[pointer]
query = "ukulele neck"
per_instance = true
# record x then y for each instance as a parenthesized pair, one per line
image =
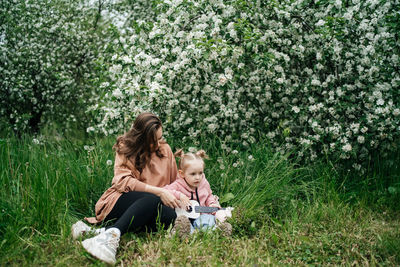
(202, 209)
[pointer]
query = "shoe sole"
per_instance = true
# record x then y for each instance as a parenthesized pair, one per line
(182, 226)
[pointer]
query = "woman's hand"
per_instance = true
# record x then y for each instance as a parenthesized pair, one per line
(184, 201)
(168, 199)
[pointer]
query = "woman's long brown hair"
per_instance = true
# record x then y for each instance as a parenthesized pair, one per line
(137, 142)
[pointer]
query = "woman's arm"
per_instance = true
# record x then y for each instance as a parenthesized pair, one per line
(175, 189)
(167, 198)
(125, 175)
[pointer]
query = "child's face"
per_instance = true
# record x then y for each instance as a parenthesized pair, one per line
(193, 172)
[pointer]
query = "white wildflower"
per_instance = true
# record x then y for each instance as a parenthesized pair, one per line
(295, 109)
(222, 79)
(117, 93)
(158, 77)
(88, 148)
(347, 148)
(315, 82)
(126, 59)
(356, 166)
(90, 129)
(320, 22)
(348, 15)
(232, 33)
(104, 84)
(271, 135)
(355, 127)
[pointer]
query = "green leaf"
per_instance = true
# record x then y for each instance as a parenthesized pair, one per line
(227, 197)
(286, 132)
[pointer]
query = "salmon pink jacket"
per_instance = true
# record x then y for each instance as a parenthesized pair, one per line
(158, 172)
(204, 193)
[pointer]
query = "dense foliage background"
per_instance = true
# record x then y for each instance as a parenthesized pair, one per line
(51, 53)
(319, 78)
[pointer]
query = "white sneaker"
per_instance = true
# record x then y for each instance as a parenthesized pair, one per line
(79, 229)
(104, 246)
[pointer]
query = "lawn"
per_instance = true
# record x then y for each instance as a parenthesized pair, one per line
(286, 213)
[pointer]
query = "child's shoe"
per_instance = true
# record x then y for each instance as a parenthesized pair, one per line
(225, 228)
(104, 246)
(181, 227)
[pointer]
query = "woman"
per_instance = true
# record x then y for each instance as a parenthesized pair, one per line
(144, 163)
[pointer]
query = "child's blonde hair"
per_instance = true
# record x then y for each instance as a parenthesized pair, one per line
(185, 157)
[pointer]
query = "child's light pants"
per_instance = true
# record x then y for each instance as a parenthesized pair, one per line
(204, 222)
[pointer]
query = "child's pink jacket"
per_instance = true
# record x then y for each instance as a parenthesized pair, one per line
(206, 198)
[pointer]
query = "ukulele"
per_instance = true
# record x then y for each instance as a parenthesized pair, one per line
(193, 211)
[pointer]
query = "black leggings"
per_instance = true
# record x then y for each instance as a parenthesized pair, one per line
(139, 211)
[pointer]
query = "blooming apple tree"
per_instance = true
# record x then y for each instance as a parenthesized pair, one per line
(49, 54)
(315, 77)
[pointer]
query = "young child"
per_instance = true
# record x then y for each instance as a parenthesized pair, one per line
(192, 184)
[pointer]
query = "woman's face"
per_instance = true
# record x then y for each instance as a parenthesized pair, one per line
(159, 137)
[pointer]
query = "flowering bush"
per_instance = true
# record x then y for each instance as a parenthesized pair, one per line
(48, 53)
(317, 77)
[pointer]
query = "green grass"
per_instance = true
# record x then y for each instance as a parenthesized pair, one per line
(285, 213)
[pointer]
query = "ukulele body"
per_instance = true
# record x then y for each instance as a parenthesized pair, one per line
(194, 210)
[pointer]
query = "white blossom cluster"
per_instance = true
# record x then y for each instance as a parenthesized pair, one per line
(316, 77)
(48, 53)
